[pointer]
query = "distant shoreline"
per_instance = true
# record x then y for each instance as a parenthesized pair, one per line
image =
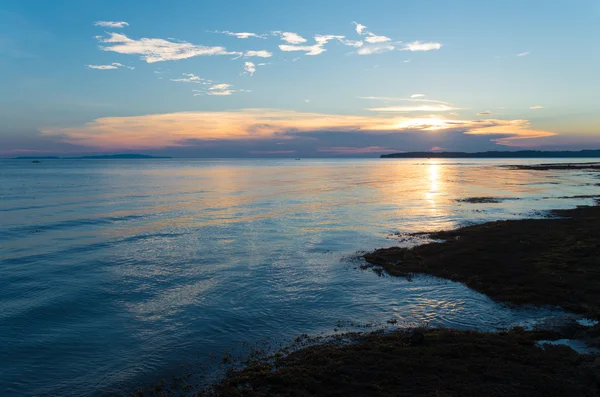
(496, 154)
(101, 157)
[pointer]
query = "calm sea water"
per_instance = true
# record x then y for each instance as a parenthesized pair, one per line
(114, 273)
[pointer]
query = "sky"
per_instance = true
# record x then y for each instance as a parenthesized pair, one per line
(297, 79)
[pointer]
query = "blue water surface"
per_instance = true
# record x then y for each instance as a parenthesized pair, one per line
(115, 272)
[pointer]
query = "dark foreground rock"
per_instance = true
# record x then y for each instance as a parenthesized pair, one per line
(443, 363)
(557, 166)
(531, 261)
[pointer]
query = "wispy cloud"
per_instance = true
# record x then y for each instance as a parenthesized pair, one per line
(485, 113)
(112, 66)
(242, 35)
(355, 150)
(320, 42)
(315, 49)
(373, 38)
(523, 54)
(375, 49)
(260, 54)
(290, 37)
(359, 27)
(192, 78)
(378, 45)
(415, 108)
(351, 43)
(110, 24)
(250, 68)
(219, 89)
(158, 50)
(417, 95)
(411, 99)
(421, 46)
(536, 107)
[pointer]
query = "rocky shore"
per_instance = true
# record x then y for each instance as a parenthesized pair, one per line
(547, 262)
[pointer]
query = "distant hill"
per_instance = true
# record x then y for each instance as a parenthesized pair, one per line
(494, 155)
(121, 156)
(100, 157)
(36, 158)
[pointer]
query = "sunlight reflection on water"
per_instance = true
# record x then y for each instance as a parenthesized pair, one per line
(118, 271)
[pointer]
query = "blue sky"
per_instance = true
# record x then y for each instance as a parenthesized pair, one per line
(313, 78)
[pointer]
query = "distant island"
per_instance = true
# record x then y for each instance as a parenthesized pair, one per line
(100, 157)
(494, 155)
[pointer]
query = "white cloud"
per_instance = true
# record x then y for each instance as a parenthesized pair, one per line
(523, 54)
(307, 100)
(388, 99)
(373, 38)
(109, 24)
(406, 61)
(192, 78)
(220, 89)
(314, 49)
(250, 68)
(221, 93)
(112, 66)
(309, 49)
(323, 39)
(222, 86)
(351, 43)
(290, 37)
(375, 49)
(484, 113)
(381, 44)
(421, 46)
(415, 108)
(536, 107)
(158, 50)
(318, 47)
(359, 27)
(260, 54)
(101, 67)
(417, 95)
(242, 35)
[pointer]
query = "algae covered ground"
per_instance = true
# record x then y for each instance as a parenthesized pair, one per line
(441, 363)
(553, 261)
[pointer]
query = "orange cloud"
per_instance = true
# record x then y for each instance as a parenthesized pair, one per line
(177, 129)
(355, 150)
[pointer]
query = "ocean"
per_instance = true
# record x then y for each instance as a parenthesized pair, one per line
(115, 273)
